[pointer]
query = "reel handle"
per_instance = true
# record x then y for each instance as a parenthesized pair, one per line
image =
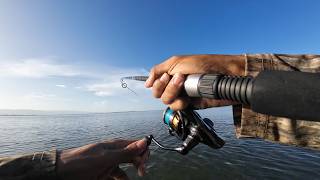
(189, 143)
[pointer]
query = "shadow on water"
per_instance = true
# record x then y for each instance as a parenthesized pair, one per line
(238, 159)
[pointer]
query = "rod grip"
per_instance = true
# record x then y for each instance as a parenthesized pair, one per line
(217, 86)
(289, 94)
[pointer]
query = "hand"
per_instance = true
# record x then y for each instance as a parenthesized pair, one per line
(167, 78)
(101, 160)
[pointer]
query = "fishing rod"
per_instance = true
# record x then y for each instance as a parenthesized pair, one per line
(290, 94)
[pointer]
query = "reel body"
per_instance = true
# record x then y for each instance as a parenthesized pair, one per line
(189, 127)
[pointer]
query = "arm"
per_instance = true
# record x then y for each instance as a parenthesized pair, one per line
(93, 161)
(33, 166)
(283, 130)
(248, 123)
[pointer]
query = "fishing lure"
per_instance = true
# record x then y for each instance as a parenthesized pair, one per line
(136, 78)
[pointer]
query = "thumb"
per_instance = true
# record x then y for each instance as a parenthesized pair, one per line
(132, 150)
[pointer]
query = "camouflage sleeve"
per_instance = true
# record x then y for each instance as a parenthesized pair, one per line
(282, 130)
(40, 165)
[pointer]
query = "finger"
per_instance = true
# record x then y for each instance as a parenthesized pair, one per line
(127, 154)
(142, 166)
(173, 88)
(142, 170)
(155, 73)
(118, 174)
(141, 159)
(159, 85)
(180, 103)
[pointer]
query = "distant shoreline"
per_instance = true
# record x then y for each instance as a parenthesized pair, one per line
(44, 113)
(21, 112)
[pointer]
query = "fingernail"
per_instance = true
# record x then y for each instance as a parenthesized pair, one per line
(147, 83)
(178, 79)
(164, 77)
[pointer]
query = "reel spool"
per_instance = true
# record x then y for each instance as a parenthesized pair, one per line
(175, 123)
(189, 127)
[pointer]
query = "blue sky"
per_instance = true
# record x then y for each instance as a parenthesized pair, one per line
(69, 55)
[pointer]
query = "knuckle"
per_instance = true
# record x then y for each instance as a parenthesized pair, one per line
(173, 90)
(155, 69)
(174, 57)
(177, 57)
(135, 146)
(156, 94)
(179, 104)
(152, 70)
(165, 100)
(157, 89)
(169, 95)
(174, 107)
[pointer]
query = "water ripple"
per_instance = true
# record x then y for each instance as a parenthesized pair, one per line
(239, 159)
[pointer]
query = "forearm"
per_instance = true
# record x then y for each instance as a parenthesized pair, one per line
(283, 130)
(223, 64)
(284, 62)
(39, 165)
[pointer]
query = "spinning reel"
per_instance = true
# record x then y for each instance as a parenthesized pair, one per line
(186, 125)
(189, 127)
(267, 93)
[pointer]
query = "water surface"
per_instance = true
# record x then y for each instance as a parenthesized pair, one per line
(238, 159)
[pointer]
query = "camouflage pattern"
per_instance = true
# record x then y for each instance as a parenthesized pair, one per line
(40, 165)
(282, 130)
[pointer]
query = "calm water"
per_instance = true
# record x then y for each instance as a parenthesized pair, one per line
(238, 159)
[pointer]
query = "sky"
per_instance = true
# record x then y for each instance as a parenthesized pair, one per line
(70, 55)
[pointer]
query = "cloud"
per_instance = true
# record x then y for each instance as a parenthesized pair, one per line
(61, 85)
(104, 89)
(48, 67)
(104, 79)
(110, 84)
(113, 87)
(42, 96)
(36, 68)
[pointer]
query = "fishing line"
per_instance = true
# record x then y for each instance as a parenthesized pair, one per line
(136, 78)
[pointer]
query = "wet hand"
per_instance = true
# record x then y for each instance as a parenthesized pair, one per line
(101, 160)
(167, 79)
